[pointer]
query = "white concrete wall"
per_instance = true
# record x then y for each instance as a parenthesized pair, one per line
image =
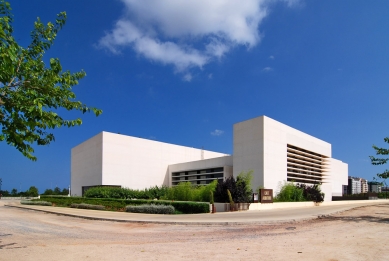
(338, 176)
(86, 164)
(248, 149)
(114, 159)
(260, 144)
(276, 138)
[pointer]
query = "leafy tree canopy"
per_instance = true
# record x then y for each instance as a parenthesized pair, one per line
(381, 161)
(31, 92)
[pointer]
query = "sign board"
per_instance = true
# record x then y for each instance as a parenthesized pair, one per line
(255, 197)
(266, 196)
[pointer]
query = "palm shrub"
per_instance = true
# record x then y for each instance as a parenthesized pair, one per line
(230, 199)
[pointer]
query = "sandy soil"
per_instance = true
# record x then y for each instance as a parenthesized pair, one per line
(359, 234)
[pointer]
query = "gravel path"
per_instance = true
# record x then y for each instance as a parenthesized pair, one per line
(359, 234)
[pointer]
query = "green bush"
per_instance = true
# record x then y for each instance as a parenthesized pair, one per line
(151, 209)
(53, 196)
(312, 192)
(39, 203)
(126, 193)
(185, 191)
(120, 204)
(289, 193)
(87, 206)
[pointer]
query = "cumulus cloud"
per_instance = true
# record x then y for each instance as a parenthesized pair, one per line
(217, 132)
(187, 34)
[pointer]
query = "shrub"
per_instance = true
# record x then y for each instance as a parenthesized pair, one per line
(151, 209)
(238, 191)
(289, 193)
(39, 203)
(243, 182)
(185, 191)
(87, 206)
(312, 193)
(126, 193)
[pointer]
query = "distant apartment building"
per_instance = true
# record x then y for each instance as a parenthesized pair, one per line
(354, 185)
(364, 186)
(375, 187)
(357, 185)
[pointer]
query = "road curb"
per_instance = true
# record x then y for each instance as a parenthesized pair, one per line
(205, 223)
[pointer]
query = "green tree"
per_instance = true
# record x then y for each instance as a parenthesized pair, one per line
(32, 192)
(48, 192)
(65, 191)
(381, 161)
(57, 191)
(31, 93)
(14, 192)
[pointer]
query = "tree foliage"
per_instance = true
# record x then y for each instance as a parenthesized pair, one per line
(381, 161)
(32, 191)
(30, 92)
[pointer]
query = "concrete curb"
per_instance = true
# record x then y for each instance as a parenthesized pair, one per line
(199, 223)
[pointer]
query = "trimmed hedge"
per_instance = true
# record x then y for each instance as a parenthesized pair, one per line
(54, 196)
(120, 204)
(87, 206)
(126, 193)
(38, 203)
(151, 209)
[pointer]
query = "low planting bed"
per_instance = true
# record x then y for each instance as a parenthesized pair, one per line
(36, 203)
(151, 209)
(184, 207)
(87, 206)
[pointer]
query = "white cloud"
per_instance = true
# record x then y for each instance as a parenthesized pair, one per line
(267, 69)
(271, 57)
(187, 34)
(217, 132)
(187, 77)
(210, 76)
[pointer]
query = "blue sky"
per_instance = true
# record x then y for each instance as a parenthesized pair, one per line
(185, 73)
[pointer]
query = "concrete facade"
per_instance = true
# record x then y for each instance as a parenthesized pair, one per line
(261, 144)
(274, 151)
(114, 159)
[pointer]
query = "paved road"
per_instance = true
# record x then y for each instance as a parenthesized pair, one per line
(263, 216)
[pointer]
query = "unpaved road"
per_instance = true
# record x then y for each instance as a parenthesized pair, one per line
(358, 234)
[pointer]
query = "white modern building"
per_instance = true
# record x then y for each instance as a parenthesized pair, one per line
(274, 151)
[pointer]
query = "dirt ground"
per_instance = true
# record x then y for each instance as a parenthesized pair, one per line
(358, 234)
